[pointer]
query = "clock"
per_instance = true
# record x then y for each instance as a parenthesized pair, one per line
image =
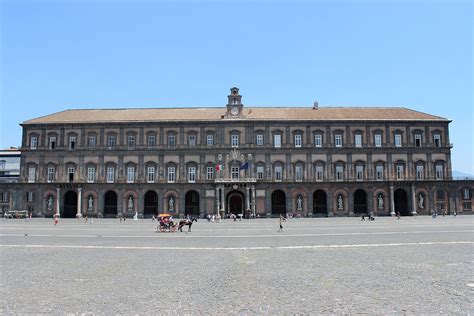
(234, 110)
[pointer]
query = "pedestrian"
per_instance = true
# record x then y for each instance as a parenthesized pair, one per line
(454, 213)
(85, 219)
(362, 218)
(56, 219)
(398, 215)
(153, 218)
(282, 219)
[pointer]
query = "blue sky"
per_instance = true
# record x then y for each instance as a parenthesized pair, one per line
(57, 55)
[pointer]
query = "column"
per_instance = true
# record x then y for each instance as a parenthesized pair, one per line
(79, 203)
(253, 201)
(392, 202)
(413, 200)
(217, 197)
(222, 200)
(247, 198)
(58, 194)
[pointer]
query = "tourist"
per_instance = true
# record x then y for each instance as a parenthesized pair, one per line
(282, 219)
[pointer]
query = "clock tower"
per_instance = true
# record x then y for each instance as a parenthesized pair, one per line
(234, 104)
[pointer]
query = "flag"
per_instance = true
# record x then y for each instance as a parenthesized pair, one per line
(219, 167)
(244, 166)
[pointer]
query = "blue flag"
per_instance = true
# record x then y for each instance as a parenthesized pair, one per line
(244, 166)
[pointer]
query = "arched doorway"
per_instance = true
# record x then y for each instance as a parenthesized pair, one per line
(360, 202)
(278, 203)
(401, 202)
(110, 204)
(70, 205)
(191, 204)
(235, 202)
(151, 204)
(320, 204)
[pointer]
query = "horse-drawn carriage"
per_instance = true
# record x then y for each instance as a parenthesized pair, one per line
(166, 223)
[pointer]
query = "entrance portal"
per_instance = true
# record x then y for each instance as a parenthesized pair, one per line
(70, 205)
(235, 202)
(320, 206)
(360, 202)
(151, 204)
(110, 204)
(401, 202)
(191, 204)
(279, 203)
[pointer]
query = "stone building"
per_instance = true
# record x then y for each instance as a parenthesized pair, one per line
(308, 161)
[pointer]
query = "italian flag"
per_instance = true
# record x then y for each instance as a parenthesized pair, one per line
(219, 167)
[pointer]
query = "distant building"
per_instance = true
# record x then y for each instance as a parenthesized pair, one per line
(308, 161)
(9, 173)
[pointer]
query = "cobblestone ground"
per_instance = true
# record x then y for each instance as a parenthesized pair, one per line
(315, 266)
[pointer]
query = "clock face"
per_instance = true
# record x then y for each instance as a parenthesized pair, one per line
(234, 110)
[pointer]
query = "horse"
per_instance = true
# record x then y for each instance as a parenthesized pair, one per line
(188, 222)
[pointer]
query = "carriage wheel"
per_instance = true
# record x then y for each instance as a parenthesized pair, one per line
(173, 228)
(162, 228)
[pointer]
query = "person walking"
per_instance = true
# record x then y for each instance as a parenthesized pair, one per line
(56, 219)
(282, 219)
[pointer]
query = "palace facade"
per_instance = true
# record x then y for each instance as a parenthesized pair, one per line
(309, 161)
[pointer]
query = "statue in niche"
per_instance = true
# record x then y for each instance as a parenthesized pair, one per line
(299, 203)
(340, 202)
(49, 204)
(130, 203)
(171, 204)
(90, 203)
(421, 201)
(380, 201)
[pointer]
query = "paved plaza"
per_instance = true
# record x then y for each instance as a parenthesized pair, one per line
(315, 266)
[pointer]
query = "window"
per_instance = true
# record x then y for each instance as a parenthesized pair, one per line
(33, 142)
(398, 140)
(171, 141)
(3, 196)
(192, 140)
(90, 174)
(417, 140)
(260, 172)
(278, 173)
(30, 197)
(400, 172)
(359, 173)
(318, 140)
(91, 141)
(339, 173)
(235, 173)
(70, 174)
(111, 142)
(171, 174)
(338, 140)
(437, 140)
(151, 141)
(277, 141)
(130, 174)
(358, 140)
(209, 173)
(439, 172)
(52, 142)
(72, 142)
(379, 172)
(110, 174)
(234, 140)
(150, 174)
(419, 172)
(131, 142)
(319, 173)
(259, 140)
(298, 141)
(210, 140)
(50, 177)
(466, 194)
(3, 164)
(299, 172)
(192, 174)
(31, 174)
(378, 140)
